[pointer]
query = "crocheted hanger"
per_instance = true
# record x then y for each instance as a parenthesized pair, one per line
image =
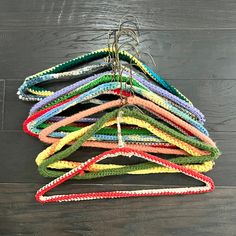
(166, 116)
(30, 84)
(137, 169)
(116, 54)
(99, 54)
(53, 110)
(72, 90)
(126, 93)
(171, 125)
(163, 114)
(189, 145)
(209, 184)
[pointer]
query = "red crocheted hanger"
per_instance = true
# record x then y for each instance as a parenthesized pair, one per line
(209, 184)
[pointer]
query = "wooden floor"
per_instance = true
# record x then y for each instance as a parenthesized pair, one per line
(194, 45)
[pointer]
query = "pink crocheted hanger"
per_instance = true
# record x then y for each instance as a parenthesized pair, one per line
(148, 105)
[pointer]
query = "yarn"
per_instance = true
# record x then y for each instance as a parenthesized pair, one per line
(101, 89)
(131, 113)
(209, 185)
(187, 144)
(101, 53)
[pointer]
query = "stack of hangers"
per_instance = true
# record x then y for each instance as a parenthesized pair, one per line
(132, 113)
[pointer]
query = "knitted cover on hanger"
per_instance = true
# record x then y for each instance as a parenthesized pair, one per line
(104, 88)
(190, 146)
(128, 169)
(171, 119)
(161, 121)
(209, 184)
(165, 115)
(138, 81)
(101, 53)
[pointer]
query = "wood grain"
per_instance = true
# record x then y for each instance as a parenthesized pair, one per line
(208, 214)
(188, 55)
(155, 15)
(194, 45)
(2, 101)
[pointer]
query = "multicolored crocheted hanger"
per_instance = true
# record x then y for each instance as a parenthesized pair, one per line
(99, 54)
(105, 145)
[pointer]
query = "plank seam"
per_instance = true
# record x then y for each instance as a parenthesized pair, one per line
(3, 104)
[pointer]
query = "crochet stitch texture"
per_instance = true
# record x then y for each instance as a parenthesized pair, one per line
(130, 113)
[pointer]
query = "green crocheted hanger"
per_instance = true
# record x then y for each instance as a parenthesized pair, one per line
(127, 112)
(103, 53)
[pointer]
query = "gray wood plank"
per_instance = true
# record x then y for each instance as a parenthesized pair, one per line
(215, 98)
(161, 14)
(207, 214)
(2, 99)
(14, 106)
(19, 150)
(193, 43)
(178, 54)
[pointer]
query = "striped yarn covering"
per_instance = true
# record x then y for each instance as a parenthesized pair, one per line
(130, 114)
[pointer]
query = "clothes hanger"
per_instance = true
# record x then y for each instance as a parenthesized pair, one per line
(45, 159)
(54, 161)
(40, 93)
(139, 81)
(103, 53)
(104, 170)
(160, 125)
(113, 51)
(29, 124)
(71, 127)
(208, 187)
(45, 134)
(108, 169)
(52, 111)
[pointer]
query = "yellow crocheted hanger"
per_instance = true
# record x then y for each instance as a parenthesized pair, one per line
(184, 147)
